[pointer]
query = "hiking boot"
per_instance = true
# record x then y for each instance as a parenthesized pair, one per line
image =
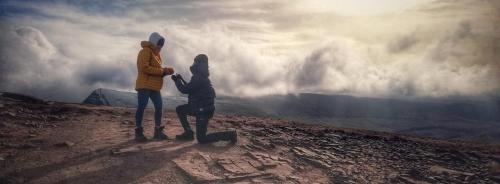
(233, 137)
(186, 136)
(139, 135)
(159, 133)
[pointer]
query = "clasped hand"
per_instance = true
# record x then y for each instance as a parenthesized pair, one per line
(168, 71)
(177, 76)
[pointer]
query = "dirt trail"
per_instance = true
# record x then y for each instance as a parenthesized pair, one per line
(73, 143)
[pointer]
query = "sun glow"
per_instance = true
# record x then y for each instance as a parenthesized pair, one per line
(359, 7)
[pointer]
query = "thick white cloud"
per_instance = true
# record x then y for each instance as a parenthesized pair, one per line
(65, 50)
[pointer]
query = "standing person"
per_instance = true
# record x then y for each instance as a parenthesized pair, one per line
(149, 83)
(201, 97)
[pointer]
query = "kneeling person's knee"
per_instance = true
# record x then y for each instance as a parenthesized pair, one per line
(181, 109)
(201, 128)
(201, 137)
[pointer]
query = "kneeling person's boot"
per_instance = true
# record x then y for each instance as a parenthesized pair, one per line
(233, 137)
(159, 133)
(186, 136)
(139, 135)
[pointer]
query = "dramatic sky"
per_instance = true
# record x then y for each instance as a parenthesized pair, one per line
(62, 50)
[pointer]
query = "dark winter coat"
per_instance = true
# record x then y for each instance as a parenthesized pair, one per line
(201, 94)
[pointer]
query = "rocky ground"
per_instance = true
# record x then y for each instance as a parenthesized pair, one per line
(51, 142)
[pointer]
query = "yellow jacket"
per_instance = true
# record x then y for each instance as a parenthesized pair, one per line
(150, 71)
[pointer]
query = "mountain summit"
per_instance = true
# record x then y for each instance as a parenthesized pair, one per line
(55, 142)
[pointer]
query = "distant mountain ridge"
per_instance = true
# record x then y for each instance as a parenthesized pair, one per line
(453, 118)
(117, 98)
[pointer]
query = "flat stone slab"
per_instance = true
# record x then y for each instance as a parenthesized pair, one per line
(436, 169)
(265, 160)
(303, 152)
(149, 146)
(201, 167)
(242, 165)
(311, 157)
(197, 167)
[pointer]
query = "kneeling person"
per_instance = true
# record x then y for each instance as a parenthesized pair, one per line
(200, 104)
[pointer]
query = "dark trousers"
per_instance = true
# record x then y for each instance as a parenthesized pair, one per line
(202, 119)
(143, 96)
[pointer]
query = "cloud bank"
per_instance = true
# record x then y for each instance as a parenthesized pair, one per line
(64, 50)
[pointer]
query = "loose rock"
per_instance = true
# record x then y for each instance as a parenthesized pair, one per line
(65, 144)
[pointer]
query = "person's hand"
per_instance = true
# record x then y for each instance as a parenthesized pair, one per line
(168, 71)
(179, 76)
(174, 77)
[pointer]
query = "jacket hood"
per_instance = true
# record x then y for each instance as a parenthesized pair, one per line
(145, 44)
(200, 66)
(156, 39)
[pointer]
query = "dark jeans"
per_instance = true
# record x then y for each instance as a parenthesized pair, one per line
(143, 96)
(202, 119)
